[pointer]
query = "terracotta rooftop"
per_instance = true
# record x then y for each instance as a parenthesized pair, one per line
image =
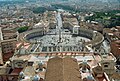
(16, 71)
(115, 48)
(116, 76)
(62, 69)
(7, 56)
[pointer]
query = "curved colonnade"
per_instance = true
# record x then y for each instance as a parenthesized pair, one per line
(95, 37)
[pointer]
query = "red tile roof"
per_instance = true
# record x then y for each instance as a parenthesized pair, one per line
(7, 56)
(115, 48)
(16, 71)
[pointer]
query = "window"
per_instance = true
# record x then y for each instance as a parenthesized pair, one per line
(30, 63)
(105, 65)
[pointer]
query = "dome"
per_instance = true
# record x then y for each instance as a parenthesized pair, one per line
(36, 78)
(40, 63)
(90, 78)
(21, 74)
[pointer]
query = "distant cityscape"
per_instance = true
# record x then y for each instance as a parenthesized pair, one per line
(100, 5)
(59, 40)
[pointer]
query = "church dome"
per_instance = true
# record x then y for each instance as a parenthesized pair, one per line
(36, 78)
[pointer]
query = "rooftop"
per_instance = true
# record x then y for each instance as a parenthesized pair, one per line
(58, 69)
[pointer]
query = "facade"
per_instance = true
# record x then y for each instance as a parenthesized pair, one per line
(8, 43)
(8, 46)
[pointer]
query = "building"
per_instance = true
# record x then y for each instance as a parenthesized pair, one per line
(8, 43)
(115, 48)
(112, 34)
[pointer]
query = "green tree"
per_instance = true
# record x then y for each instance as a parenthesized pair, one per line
(23, 29)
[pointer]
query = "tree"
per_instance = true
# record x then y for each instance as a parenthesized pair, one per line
(23, 29)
